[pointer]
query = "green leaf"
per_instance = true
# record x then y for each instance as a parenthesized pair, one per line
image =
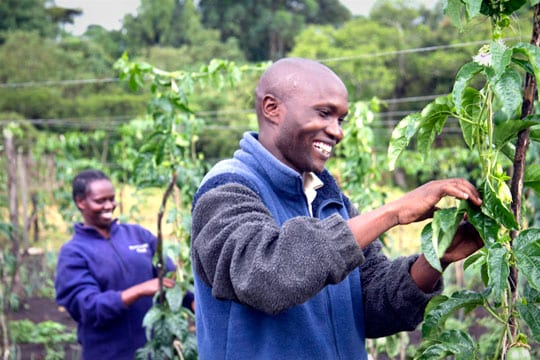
(463, 77)
(498, 269)
(450, 342)
(532, 177)
(508, 91)
(485, 225)
(494, 208)
(474, 260)
(526, 248)
(508, 130)
(392, 345)
(445, 224)
(532, 54)
(174, 298)
(152, 316)
(464, 299)
(530, 313)
(473, 8)
(501, 57)
(535, 134)
(401, 137)
(429, 248)
(434, 116)
(453, 11)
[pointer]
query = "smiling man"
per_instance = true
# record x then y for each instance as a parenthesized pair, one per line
(284, 266)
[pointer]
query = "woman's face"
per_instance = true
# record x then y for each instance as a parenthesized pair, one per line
(98, 204)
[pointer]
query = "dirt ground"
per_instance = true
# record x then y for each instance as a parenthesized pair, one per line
(38, 310)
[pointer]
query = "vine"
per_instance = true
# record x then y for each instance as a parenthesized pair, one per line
(497, 122)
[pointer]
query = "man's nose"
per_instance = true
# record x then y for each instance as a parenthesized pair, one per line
(334, 129)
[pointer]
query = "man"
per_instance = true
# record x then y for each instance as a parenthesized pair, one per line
(284, 266)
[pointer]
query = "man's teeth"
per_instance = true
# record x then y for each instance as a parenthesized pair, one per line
(324, 148)
(107, 215)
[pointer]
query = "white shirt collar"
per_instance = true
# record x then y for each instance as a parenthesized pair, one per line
(311, 184)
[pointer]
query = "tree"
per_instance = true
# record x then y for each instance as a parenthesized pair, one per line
(28, 15)
(272, 25)
(150, 25)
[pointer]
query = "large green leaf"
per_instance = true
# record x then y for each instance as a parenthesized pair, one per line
(464, 299)
(507, 89)
(463, 77)
(526, 248)
(532, 178)
(434, 116)
(450, 342)
(508, 130)
(401, 137)
(498, 269)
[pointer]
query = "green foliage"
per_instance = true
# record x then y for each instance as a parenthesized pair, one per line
(490, 118)
(356, 161)
(27, 15)
(169, 329)
(49, 333)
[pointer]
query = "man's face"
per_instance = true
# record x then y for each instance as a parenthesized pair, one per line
(98, 205)
(311, 125)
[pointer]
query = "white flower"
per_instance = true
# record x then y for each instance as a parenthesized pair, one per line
(484, 56)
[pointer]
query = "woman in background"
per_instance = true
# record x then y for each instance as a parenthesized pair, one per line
(105, 276)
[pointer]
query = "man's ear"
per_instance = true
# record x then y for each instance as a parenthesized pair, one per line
(271, 108)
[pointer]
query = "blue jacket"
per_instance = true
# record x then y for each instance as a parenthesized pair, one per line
(91, 274)
(324, 321)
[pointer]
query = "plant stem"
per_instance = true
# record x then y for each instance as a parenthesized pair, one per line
(522, 144)
(159, 250)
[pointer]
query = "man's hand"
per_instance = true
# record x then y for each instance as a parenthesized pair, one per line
(420, 204)
(465, 242)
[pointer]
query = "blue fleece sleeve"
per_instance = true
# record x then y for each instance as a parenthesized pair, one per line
(79, 292)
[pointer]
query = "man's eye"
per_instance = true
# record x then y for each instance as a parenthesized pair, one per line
(324, 113)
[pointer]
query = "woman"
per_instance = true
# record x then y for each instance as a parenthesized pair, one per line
(105, 276)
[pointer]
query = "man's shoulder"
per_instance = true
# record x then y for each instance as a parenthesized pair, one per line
(229, 171)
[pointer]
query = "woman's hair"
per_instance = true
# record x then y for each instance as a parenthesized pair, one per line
(83, 179)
